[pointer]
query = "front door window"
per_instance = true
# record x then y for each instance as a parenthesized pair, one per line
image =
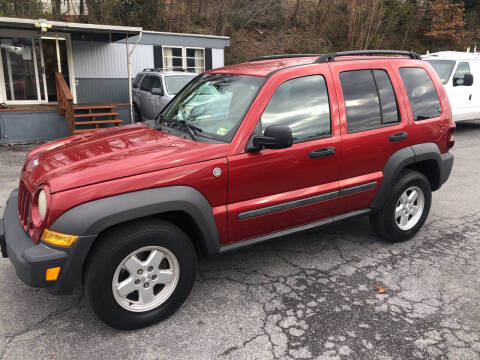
(19, 69)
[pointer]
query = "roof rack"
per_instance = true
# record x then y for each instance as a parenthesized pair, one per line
(331, 57)
(162, 69)
(281, 56)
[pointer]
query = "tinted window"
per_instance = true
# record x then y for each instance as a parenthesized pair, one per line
(156, 83)
(462, 69)
(388, 101)
(361, 100)
(137, 79)
(443, 68)
(302, 104)
(147, 83)
(421, 93)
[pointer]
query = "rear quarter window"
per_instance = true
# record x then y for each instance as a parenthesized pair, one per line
(421, 92)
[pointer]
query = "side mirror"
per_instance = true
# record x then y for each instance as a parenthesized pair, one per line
(156, 91)
(468, 79)
(135, 86)
(274, 137)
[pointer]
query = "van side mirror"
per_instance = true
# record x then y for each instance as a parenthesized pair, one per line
(135, 86)
(156, 91)
(468, 79)
(274, 137)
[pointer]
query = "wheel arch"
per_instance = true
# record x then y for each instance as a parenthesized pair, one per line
(424, 158)
(184, 206)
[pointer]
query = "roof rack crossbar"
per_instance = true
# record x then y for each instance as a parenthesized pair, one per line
(163, 69)
(331, 57)
(281, 56)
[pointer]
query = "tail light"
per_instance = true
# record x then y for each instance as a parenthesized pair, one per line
(450, 138)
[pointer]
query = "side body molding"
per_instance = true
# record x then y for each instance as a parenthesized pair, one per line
(398, 161)
(93, 217)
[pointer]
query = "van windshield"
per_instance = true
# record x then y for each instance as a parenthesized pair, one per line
(213, 104)
(443, 68)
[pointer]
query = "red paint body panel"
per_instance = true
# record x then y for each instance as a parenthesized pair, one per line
(271, 177)
(87, 167)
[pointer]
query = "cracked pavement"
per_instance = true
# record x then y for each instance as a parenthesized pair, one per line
(306, 296)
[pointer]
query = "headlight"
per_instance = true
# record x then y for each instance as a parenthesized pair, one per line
(42, 204)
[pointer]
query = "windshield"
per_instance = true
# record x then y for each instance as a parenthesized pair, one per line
(214, 104)
(175, 83)
(443, 68)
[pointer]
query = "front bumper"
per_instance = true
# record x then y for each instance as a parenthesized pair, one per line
(32, 260)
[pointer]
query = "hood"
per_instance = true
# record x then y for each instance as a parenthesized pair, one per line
(112, 153)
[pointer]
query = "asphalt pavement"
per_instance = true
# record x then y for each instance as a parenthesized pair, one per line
(307, 296)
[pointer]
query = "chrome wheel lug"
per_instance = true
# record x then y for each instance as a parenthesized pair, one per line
(150, 269)
(140, 272)
(146, 285)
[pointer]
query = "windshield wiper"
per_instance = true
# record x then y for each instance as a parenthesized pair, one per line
(191, 129)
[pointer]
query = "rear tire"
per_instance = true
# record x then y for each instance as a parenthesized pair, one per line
(405, 210)
(140, 273)
(137, 115)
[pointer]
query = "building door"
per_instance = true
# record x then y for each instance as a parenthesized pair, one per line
(19, 69)
(28, 63)
(55, 59)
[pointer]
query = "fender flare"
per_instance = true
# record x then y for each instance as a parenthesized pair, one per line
(398, 161)
(93, 217)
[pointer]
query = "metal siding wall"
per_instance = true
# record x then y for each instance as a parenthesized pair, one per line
(108, 60)
(218, 59)
(31, 126)
(97, 90)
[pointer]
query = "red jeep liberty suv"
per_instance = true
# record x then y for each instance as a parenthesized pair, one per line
(242, 154)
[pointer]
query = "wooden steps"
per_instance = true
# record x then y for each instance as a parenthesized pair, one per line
(88, 117)
(77, 115)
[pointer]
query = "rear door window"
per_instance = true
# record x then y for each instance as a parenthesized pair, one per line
(136, 81)
(370, 101)
(422, 94)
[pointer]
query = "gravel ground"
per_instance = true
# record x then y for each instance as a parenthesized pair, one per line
(311, 295)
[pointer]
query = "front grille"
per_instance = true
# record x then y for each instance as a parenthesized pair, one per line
(24, 201)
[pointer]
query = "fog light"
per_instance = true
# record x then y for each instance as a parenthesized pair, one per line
(52, 273)
(58, 239)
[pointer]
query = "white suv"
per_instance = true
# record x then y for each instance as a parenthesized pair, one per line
(154, 88)
(460, 74)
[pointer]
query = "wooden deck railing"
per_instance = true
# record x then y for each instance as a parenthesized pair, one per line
(64, 99)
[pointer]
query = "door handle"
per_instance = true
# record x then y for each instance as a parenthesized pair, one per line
(470, 97)
(323, 152)
(398, 136)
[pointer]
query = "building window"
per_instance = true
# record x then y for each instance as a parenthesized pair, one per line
(183, 58)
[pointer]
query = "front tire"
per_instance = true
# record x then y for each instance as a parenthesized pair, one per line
(140, 273)
(406, 209)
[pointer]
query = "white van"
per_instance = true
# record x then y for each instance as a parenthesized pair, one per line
(460, 74)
